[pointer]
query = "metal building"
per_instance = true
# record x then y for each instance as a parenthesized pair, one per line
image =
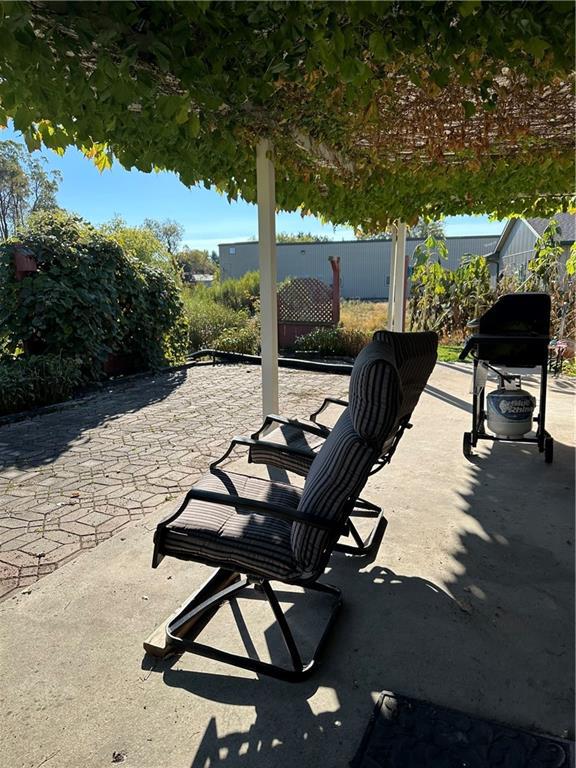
(364, 264)
(515, 247)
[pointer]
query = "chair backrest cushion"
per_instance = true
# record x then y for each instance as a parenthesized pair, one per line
(341, 468)
(415, 355)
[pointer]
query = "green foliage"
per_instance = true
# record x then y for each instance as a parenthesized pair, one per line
(245, 340)
(25, 187)
(208, 319)
(433, 248)
(301, 237)
(425, 228)
(571, 261)
(169, 232)
(544, 267)
(140, 243)
(88, 299)
(224, 316)
(569, 368)
(152, 325)
(448, 353)
(195, 262)
(29, 382)
(445, 301)
(240, 294)
(192, 87)
(328, 342)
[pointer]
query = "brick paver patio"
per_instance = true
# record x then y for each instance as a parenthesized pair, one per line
(74, 477)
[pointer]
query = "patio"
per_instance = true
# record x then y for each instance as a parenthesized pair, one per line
(468, 603)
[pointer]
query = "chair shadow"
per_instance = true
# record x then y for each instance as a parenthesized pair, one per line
(494, 639)
(42, 438)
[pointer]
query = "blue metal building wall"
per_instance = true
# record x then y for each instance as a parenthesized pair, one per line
(517, 249)
(364, 264)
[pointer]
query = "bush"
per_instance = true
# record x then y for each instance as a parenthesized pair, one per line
(88, 299)
(29, 382)
(240, 294)
(339, 341)
(152, 325)
(207, 319)
(245, 340)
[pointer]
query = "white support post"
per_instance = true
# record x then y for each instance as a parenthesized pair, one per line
(392, 278)
(400, 276)
(265, 181)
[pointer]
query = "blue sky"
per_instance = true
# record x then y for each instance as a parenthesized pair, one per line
(207, 217)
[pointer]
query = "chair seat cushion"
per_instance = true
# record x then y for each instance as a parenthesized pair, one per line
(292, 436)
(217, 534)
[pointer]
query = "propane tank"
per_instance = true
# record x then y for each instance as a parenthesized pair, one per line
(510, 412)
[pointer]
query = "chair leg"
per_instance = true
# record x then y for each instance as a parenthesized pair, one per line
(185, 625)
(366, 546)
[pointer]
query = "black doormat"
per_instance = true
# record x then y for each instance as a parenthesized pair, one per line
(407, 733)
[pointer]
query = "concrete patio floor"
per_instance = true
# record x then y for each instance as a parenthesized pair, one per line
(469, 603)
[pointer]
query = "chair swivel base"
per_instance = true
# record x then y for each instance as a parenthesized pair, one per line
(178, 634)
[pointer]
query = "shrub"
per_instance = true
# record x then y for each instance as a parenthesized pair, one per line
(152, 325)
(29, 382)
(208, 319)
(88, 299)
(342, 342)
(245, 340)
(240, 294)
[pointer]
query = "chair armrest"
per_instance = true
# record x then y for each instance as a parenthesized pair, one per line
(325, 404)
(250, 505)
(273, 418)
(250, 441)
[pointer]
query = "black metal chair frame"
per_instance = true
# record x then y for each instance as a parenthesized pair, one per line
(184, 626)
(362, 508)
(542, 438)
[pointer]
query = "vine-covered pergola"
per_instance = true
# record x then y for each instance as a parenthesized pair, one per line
(364, 113)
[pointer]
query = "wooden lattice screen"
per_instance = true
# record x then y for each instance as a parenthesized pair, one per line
(306, 303)
(305, 300)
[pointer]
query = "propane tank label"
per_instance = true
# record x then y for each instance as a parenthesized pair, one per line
(513, 408)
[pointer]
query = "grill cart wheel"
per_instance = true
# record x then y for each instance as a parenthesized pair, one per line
(467, 444)
(549, 450)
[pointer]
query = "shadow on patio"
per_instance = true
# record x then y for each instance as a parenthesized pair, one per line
(36, 441)
(493, 640)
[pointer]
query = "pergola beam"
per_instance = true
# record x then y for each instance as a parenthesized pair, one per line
(265, 179)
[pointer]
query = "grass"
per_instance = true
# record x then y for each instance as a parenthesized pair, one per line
(366, 316)
(369, 316)
(448, 353)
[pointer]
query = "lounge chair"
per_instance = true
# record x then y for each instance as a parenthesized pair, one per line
(256, 531)
(294, 444)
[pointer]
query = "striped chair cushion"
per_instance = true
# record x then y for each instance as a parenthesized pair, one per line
(220, 535)
(375, 395)
(293, 437)
(415, 355)
(341, 468)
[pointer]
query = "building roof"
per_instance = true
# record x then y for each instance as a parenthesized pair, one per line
(566, 221)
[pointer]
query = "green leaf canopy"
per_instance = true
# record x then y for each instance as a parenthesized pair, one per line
(376, 110)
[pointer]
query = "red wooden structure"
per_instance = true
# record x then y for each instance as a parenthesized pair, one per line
(307, 303)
